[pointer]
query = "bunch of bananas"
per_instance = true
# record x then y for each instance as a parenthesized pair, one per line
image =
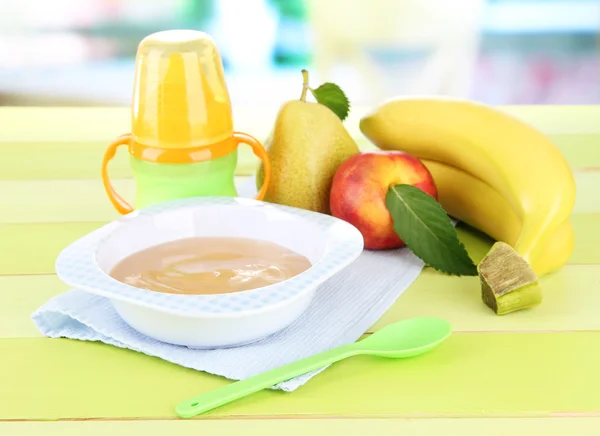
(492, 171)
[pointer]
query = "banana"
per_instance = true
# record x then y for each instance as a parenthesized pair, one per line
(493, 171)
(474, 202)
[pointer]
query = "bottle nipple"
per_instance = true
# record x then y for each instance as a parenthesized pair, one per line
(180, 98)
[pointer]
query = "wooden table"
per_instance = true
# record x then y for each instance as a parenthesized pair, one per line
(531, 372)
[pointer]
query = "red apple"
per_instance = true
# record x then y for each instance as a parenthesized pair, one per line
(361, 184)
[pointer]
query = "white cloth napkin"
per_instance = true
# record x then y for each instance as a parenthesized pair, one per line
(343, 309)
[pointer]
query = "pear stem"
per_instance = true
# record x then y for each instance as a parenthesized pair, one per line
(304, 85)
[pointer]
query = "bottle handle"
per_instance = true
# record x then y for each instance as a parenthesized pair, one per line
(117, 201)
(261, 152)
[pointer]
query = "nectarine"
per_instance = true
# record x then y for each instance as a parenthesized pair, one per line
(360, 186)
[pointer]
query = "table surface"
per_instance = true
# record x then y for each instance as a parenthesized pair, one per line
(531, 372)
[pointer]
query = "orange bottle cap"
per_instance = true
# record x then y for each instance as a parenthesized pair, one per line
(180, 98)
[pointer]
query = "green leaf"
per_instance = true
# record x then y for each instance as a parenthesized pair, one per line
(332, 96)
(421, 222)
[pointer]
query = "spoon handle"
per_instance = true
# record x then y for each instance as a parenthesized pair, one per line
(210, 400)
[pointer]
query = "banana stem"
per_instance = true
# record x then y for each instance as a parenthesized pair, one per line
(508, 283)
(304, 85)
(523, 298)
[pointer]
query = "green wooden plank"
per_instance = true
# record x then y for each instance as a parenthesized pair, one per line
(58, 160)
(68, 143)
(63, 124)
(85, 200)
(301, 426)
(587, 199)
(77, 160)
(32, 248)
(20, 296)
(81, 160)
(587, 239)
(38, 201)
(69, 124)
(558, 118)
(523, 374)
(580, 150)
(570, 303)
(35, 201)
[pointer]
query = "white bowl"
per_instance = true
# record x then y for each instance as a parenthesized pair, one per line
(211, 321)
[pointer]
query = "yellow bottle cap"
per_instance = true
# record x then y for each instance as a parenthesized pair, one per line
(180, 98)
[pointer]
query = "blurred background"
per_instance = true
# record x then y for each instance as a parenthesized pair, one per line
(82, 52)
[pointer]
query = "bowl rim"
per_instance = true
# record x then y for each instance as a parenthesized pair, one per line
(76, 264)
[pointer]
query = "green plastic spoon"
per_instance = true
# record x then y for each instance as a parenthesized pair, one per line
(407, 338)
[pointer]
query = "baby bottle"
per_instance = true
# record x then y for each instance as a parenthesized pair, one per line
(182, 142)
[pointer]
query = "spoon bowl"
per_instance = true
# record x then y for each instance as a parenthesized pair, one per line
(407, 338)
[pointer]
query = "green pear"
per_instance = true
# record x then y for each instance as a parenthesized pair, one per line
(306, 146)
